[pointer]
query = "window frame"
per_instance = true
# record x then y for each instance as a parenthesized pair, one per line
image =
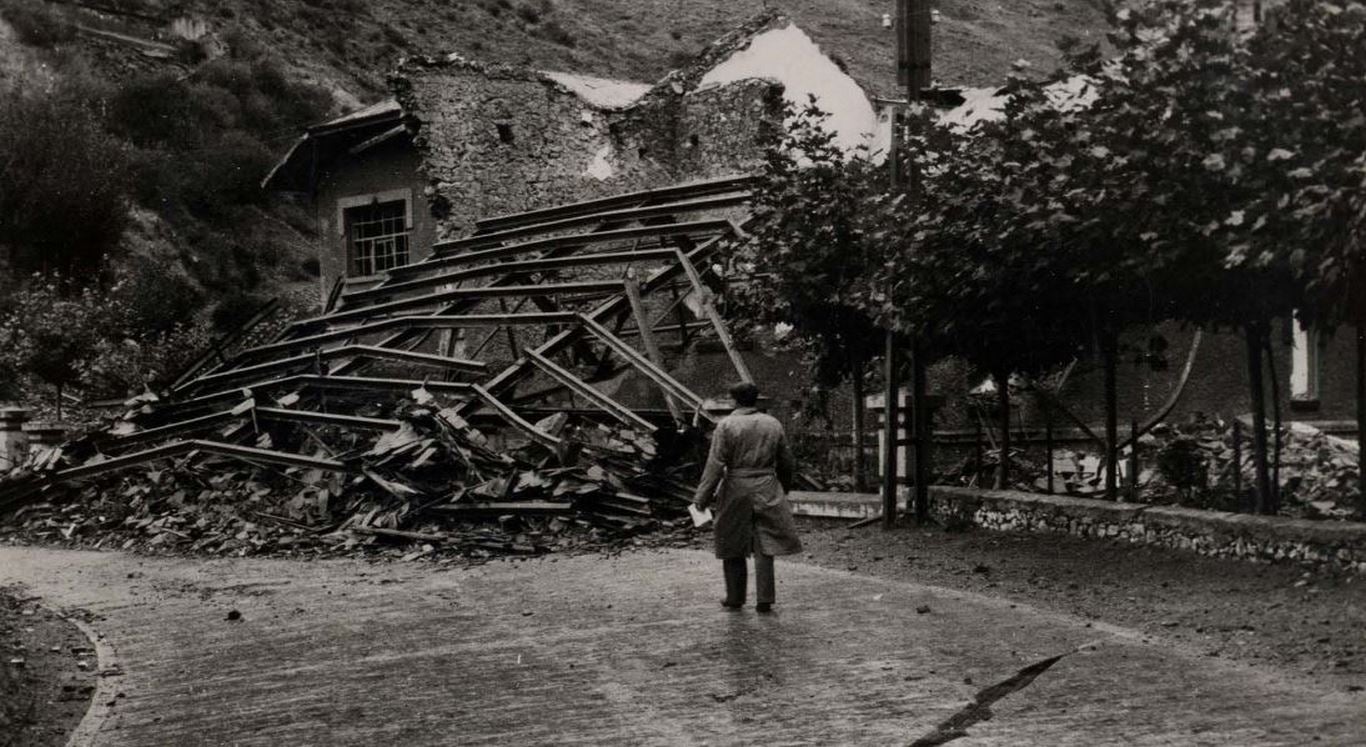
(349, 203)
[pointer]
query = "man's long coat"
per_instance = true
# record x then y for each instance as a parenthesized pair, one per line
(751, 463)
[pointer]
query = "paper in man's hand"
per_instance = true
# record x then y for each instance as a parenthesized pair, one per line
(700, 517)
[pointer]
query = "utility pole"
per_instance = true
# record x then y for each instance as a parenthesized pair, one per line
(913, 69)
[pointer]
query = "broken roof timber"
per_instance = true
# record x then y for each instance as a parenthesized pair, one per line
(574, 241)
(345, 351)
(585, 287)
(525, 265)
(436, 321)
(660, 195)
(252, 393)
(628, 215)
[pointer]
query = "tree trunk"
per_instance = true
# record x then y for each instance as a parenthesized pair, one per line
(891, 432)
(1109, 355)
(59, 403)
(1255, 334)
(1361, 415)
(1003, 401)
(860, 463)
(1275, 428)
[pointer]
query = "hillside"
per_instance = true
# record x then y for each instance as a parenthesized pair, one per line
(349, 45)
(174, 110)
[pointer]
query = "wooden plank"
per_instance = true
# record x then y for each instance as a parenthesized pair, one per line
(314, 381)
(218, 346)
(584, 287)
(213, 447)
(627, 215)
(661, 278)
(615, 202)
(407, 323)
(573, 241)
(497, 508)
(515, 420)
(656, 374)
(704, 295)
(609, 405)
(345, 351)
(539, 264)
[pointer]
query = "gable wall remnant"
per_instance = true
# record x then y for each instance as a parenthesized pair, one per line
(497, 139)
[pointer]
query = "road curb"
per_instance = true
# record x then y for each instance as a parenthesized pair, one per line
(99, 709)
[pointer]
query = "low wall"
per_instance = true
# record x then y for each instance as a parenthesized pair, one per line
(1334, 544)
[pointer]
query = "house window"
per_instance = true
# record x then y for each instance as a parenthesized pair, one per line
(377, 236)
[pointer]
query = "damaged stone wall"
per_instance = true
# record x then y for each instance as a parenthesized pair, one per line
(496, 139)
(1333, 544)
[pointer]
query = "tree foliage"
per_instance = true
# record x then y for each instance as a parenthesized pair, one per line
(809, 252)
(63, 182)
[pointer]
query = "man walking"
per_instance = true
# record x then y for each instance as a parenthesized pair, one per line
(751, 463)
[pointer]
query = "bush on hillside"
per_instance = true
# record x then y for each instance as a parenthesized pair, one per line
(38, 24)
(63, 198)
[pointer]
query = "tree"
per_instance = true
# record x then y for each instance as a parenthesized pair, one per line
(1307, 75)
(63, 182)
(967, 269)
(809, 256)
(1181, 124)
(49, 334)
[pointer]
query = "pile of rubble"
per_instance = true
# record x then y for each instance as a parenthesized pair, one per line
(424, 481)
(1317, 475)
(429, 412)
(1195, 464)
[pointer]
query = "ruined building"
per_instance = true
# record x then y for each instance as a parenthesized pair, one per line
(462, 140)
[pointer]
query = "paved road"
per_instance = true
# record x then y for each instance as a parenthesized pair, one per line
(630, 650)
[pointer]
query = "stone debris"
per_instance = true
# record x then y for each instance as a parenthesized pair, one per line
(313, 442)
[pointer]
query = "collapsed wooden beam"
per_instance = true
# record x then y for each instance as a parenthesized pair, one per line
(178, 448)
(317, 382)
(574, 241)
(585, 287)
(625, 215)
(583, 389)
(615, 202)
(704, 296)
(407, 323)
(669, 384)
(539, 264)
(616, 305)
(345, 351)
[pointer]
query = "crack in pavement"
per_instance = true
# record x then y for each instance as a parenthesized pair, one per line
(956, 726)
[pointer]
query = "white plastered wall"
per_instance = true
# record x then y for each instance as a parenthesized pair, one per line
(785, 54)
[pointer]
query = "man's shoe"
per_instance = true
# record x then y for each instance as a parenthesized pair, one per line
(764, 607)
(731, 605)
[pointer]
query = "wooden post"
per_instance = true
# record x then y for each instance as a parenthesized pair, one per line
(1256, 331)
(860, 424)
(913, 54)
(921, 427)
(1238, 460)
(1110, 355)
(1133, 460)
(891, 433)
(977, 451)
(1361, 415)
(1003, 401)
(1048, 443)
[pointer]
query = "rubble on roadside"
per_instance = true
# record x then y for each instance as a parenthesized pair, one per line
(1192, 464)
(461, 407)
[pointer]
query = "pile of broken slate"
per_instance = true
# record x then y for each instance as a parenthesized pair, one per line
(425, 482)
